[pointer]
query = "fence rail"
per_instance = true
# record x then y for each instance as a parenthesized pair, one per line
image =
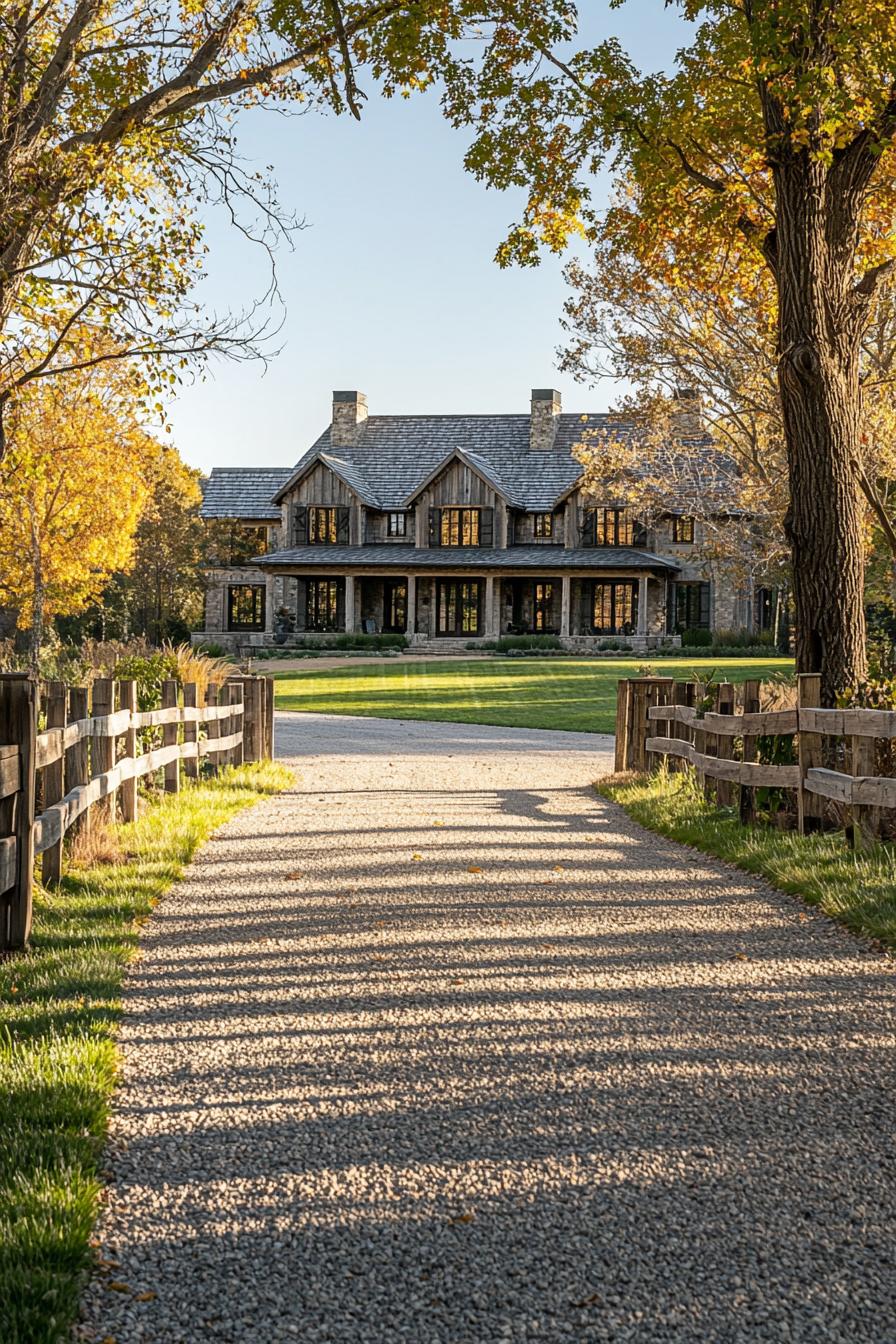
(704, 728)
(89, 755)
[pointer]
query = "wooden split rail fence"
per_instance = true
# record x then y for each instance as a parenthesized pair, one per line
(718, 731)
(89, 755)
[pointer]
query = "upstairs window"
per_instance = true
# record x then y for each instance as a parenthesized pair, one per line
(321, 524)
(459, 527)
(683, 530)
(544, 526)
(397, 525)
(609, 527)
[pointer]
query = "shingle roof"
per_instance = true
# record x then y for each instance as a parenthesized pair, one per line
(460, 557)
(243, 492)
(395, 455)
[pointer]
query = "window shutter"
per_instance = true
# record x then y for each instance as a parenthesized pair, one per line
(342, 526)
(300, 527)
(704, 606)
(486, 527)
(435, 527)
(589, 527)
(639, 534)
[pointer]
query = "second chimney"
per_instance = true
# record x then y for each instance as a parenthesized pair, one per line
(349, 415)
(687, 413)
(543, 418)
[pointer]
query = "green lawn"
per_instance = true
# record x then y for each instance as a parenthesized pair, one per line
(58, 1062)
(571, 693)
(859, 890)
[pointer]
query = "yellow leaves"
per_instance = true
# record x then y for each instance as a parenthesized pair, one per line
(116, 1286)
(416, 858)
(461, 1219)
(473, 868)
(145, 1297)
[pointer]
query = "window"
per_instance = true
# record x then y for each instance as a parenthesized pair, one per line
(543, 608)
(459, 527)
(544, 526)
(322, 612)
(613, 527)
(322, 525)
(691, 606)
(683, 529)
(458, 605)
(615, 608)
(245, 606)
(397, 524)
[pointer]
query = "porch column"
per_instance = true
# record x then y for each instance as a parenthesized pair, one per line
(565, 584)
(489, 622)
(349, 604)
(642, 605)
(411, 623)
(273, 591)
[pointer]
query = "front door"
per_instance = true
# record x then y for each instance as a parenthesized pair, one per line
(458, 607)
(395, 606)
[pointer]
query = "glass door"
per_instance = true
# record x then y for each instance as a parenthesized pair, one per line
(458, 607)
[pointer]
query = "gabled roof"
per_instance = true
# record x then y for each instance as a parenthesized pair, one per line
(243, 492)
(350, 473)
(477, 464)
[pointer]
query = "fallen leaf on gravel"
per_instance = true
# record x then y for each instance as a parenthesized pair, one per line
(473, 869)
(457, 982)
(294, 877)
(588, 1301)
(109, 1339)
(558, 868)
(416, 858)
(740, 956)
(144, 1297)
(461, 1218)
(438, 823)
(107, 1264)
(117, 1287)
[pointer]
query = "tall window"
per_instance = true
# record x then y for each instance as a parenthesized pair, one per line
(398, 523)
(323, 604)
(691, 606)
(245, 606)
(683, 529)
(544, 526)
(613, 527)
(459, 527)
(322, 524)
(615, 608)
(543, 607)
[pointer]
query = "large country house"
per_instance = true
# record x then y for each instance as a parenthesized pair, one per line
(453, 527)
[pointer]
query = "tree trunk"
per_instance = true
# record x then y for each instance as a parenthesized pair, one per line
(818, 374)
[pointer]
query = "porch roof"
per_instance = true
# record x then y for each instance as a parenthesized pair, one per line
(465, 557)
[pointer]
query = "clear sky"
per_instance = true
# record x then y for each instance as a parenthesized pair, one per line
(391, 287)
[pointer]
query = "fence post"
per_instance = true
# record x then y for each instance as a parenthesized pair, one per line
(54, 780)
(238, 721)
(810, 807)
(127, 699)
(658, 693)
(253, 717)
(212, 727)
(865, 819)
(191, 732)
(102, 747)
(76, 765)
(18, 728)
(268, 752)
(623, 696)
(170, 732)
(725, 745)
(752, 705)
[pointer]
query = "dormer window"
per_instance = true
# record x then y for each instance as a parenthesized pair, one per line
(321, 525)
(397, 524)
(683, 530)
(459, 527)
(608, 527)
(544, 526)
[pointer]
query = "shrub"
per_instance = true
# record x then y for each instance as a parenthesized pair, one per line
(514, 643)
(696, 639)
(357, 641)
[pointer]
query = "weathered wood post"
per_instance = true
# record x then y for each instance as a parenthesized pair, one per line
(752, 705)
(682, 696)
(253, 716)
(658, 694)
(810, 807)
(623, 695)
(725, 744)
(18, 729)
(170, 732)
(268, 718)
(54, 779)
(127, 699)
(77, 766)
(191, 731)
(238, 721)
(102, 745)
(212, 728)
(865, 819)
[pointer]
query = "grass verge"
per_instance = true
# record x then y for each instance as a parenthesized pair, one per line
(59, 1005)
(577, 694)
(859, 890)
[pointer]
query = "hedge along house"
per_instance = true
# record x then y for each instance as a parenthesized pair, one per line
(453, 528)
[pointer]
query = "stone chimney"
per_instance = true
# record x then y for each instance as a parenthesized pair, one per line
(543, 418)
(687, 413)
(349, 415)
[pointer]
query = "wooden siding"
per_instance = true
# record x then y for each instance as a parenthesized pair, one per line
(320, 486)
(459, 485)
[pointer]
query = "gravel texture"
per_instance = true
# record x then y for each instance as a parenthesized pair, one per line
(440, 1048)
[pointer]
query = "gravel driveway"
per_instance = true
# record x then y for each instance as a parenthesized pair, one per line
(440, 1048)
